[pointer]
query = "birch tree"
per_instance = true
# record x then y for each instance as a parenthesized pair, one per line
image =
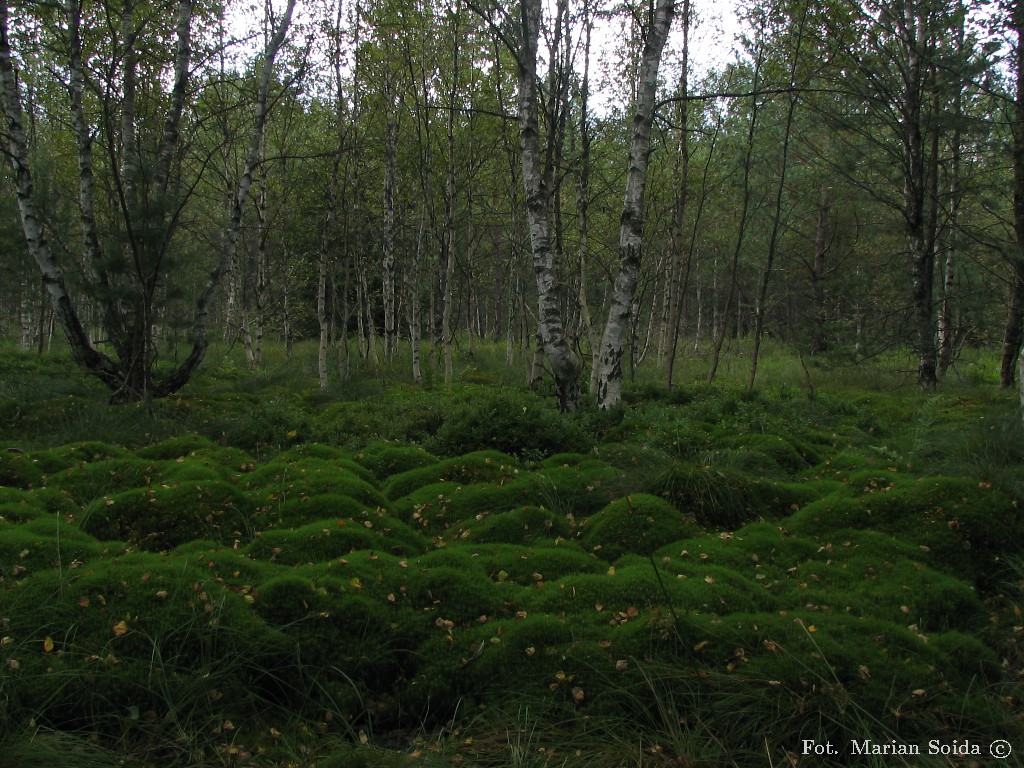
(148, 193)
(609, 379)
(538, 182)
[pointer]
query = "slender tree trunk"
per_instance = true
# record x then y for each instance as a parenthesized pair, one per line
(609, 387)
(449, 254)
(760, 307)
(818, 273)
(388, 260)
(412, 289)
(677, 286)
(947, 330)
(722, 320)
(538, 183)
(583, 204)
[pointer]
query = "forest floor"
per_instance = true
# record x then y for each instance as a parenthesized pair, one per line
(825, 572)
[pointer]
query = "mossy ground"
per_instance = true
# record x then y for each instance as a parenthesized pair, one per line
(258, 575)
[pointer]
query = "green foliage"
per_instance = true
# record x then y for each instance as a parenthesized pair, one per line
(638, 523)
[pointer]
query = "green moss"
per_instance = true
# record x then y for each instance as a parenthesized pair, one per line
(426, 509)
(639, 523)
(354, 646)
(577, 491)
(18, 505)
(715, 496)
(601, 597)
(329, 453)
(335, 537)
(278, 481)
(44, 543)
(177, 447)
(306, 509)
(386, 459)
(162, 517)
(454, 594)
(135, 631)
(19, 470)
(478, 467)
(72, 454)
(84, 482)
(528, 565)
(769, 454)
(522, 525)
(957, 524)
(194, 470)
(565, 460)
(508, 421)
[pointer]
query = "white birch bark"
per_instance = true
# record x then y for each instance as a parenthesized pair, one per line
(32, 225)
(537, 180)
(609, 386)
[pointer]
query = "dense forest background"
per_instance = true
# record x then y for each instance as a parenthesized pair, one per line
(352, 172)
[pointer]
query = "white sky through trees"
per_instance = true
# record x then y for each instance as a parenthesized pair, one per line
(713, 41)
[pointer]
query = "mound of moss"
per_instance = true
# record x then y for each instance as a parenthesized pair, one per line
(639, 523)
(385, 459)
(135, 636)
(280, 480)
(160, 517)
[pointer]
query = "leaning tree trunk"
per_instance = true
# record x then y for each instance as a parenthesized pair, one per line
(609, 380)
(82, 349)
(131, 337)
(538, 178)
(177, 379)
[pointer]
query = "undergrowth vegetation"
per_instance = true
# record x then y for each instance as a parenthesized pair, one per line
(260, 574)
